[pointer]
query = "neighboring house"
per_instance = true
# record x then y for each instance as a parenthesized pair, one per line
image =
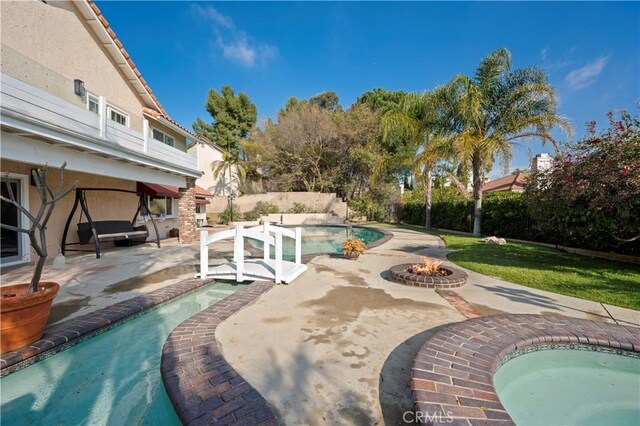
(207, 154)
(487, 179)
(203, 198)
(512, 183)
(541, 162)
(71, 93)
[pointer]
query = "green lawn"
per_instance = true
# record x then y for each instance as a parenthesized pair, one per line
(549, 269)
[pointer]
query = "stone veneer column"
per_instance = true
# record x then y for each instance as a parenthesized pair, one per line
(187, 213)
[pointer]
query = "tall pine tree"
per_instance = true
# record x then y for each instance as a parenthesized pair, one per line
(233, 117)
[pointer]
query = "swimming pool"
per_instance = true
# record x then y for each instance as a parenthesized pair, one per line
(323, 239)
(113, 378)
(570, 387)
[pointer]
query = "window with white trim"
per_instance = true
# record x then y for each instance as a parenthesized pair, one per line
(117, 115)
(93, 103)
(161, 136)
(161, 206)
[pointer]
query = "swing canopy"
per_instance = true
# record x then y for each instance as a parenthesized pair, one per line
(156, 190)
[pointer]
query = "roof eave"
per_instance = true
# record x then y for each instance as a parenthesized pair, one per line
(97, 22)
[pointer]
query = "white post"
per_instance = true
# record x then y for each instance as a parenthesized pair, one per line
(204, 255)
(267, 248)
(298, 244)
(278, 278)
(102, 105)
(145, 134)
(238, 252)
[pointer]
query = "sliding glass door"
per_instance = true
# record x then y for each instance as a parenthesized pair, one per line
(11, 241)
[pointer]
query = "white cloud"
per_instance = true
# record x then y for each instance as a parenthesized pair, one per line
(543, 53)
(241, 50)
(585, 76)
(213, 15)
(234, 44)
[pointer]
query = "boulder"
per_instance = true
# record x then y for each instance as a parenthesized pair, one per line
(495, 240)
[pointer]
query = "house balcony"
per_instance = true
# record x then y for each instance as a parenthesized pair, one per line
(29, 111)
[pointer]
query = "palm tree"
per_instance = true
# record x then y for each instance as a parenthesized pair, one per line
(493, 111)
(415, 119)
(230, 164)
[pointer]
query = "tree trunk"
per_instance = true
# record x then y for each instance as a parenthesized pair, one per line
(37, 273)
(41, 251)
(478, 183)
(428, 187)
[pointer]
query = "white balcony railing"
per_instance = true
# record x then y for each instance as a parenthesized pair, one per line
(29, 108)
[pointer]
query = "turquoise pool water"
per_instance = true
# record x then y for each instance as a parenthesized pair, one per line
(113, 378)
(570, 387)
(323, 239)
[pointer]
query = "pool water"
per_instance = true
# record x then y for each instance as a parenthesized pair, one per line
(323, 239)
(113, 378)
(570, 387)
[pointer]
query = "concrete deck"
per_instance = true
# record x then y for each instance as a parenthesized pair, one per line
(88, 284)
(334, 347)
(337, 345)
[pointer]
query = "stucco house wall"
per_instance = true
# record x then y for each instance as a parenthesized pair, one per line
(44, 47)
(55, 36)
(181, 141)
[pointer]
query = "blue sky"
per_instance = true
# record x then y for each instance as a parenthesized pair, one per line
(273, 50)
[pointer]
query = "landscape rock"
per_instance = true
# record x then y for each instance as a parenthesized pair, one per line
(495, 240)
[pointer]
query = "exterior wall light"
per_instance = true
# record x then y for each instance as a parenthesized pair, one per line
(78, 88)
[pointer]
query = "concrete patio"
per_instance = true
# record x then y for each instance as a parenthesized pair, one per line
(337, 345)
(88, 284)
(334, 347)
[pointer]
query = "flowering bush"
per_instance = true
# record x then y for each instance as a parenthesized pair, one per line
(353, 245)
(591, 196)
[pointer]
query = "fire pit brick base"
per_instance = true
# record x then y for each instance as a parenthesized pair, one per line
(402, 275)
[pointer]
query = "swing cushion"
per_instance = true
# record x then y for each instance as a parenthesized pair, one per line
(111, 230)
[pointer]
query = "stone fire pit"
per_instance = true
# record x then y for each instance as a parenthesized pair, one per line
(402, 274)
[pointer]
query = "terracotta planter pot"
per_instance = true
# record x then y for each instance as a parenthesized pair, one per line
(22, 315)
(353, 255)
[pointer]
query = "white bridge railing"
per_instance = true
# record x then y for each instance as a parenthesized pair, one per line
(261, 233)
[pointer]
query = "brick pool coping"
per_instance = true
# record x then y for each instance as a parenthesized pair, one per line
(401, 275)
(62, 335)
(453, 370)
(202, 386)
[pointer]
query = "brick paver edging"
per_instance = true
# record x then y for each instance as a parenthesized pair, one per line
(306, 258)
(60, 336)
(402, 275)
(202, 386)
(453, 371)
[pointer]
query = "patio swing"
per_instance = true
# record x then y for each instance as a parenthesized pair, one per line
(107, 230)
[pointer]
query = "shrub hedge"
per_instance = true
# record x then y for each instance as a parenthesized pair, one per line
(503, 214)
(506, 215)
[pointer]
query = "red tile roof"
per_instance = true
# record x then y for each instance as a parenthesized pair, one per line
(200, 191)
(149, 111)
(514, 182)
(120, 46)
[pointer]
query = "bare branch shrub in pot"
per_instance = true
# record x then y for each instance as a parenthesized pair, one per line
(37, 223)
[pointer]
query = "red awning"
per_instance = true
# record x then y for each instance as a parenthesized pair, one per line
(202, 201)
(156, 190)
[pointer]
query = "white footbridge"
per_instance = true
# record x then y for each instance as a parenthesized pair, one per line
(265, 269)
